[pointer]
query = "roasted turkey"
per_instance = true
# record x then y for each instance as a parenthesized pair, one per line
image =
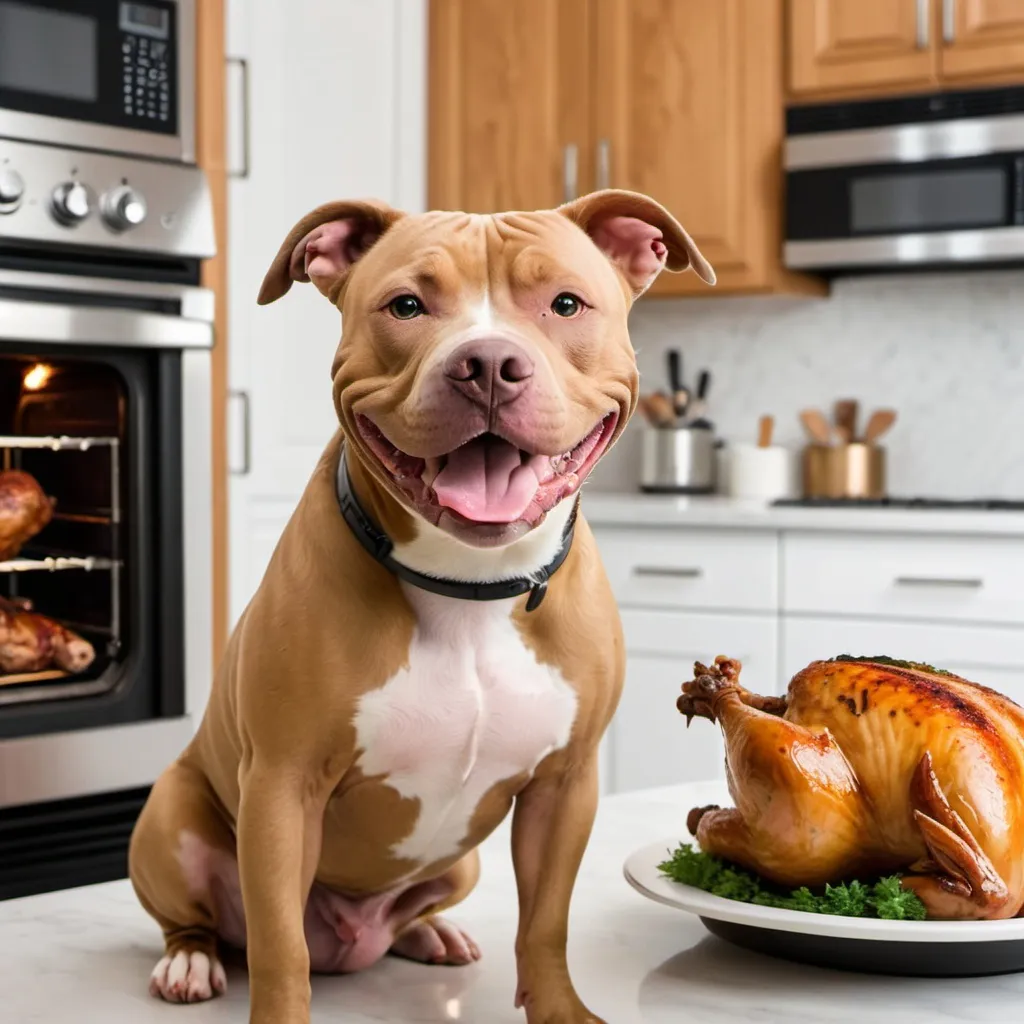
(30, 642)
(24, 510)
(867, 767)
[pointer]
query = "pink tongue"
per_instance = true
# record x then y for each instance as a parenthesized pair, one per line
(486, 481)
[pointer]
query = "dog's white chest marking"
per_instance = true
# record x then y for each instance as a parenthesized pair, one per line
(472, 708)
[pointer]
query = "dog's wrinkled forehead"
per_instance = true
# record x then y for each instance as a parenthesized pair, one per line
(609, 232)
(499, 256)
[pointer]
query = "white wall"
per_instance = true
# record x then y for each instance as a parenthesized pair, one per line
(945, 350)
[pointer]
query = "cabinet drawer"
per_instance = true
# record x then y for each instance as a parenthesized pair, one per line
(991, 656)
(707, 569)
(969, 579)
(649, 744)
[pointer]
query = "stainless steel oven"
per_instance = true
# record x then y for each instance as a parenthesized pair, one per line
(105, 339)
(922, 181)
(100, 74)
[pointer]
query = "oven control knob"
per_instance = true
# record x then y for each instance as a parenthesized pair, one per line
(123, 208)
(12, 188)
(71, 202)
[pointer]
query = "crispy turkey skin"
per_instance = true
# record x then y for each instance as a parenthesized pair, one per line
(865, 767)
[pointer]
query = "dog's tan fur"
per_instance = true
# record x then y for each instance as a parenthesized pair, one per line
(272, 777)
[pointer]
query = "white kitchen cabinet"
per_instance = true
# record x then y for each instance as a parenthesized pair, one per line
(664, 568)
(992, 656)
(335, 108)
(904, 576)
(648, 743)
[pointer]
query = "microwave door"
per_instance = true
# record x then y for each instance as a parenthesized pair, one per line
(966, 210)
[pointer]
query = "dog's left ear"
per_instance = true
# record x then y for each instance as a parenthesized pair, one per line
(325, 245)
(638, 235)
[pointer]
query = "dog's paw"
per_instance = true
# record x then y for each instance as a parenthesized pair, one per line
(436, 941)
(188, 978)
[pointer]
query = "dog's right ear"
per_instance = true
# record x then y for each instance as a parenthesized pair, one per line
(324, 246)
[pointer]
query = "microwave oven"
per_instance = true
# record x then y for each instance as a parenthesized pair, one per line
(908, 183)
(106, 75)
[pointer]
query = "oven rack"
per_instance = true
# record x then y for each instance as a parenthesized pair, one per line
(55, 443)
(58, 563)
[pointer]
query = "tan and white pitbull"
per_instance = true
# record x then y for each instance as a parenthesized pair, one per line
(364, 735)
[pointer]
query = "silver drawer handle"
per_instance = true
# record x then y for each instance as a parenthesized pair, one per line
(966, 582)
(684, 572)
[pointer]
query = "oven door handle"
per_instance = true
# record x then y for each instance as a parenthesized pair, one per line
(55, 323)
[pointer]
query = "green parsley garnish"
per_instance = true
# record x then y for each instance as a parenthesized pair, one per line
(884, 898)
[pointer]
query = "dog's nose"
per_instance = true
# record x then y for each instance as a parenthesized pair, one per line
(490, 371)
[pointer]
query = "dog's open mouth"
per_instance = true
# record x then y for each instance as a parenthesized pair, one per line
(488, 479)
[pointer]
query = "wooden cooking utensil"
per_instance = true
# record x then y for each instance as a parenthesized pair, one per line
(765, 429)
(879, 423)
(662, 412)
(844, 415)
(816, 425)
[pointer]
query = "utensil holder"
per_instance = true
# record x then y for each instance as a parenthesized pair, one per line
(844, 471)
(678, 460)
(762, 473)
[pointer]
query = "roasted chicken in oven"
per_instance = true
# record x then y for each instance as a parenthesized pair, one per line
(30, 642)
(24, 510)
(866, 767)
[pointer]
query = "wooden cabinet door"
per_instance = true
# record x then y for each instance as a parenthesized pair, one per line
(688, 108)
(982, 39)
(851, 46)
(508, 101)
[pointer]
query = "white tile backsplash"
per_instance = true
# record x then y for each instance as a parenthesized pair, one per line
(945, 350)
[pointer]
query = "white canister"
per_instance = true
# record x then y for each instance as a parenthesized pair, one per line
(762, 473)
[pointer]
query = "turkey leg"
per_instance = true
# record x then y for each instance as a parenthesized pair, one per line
(781, 776)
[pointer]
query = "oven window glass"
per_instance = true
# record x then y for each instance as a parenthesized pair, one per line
(62, 441)
(937, 200)
(53, 53)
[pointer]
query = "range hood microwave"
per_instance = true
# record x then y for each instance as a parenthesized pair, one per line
(906, 184)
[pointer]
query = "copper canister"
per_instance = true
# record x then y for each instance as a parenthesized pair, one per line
(844, 471)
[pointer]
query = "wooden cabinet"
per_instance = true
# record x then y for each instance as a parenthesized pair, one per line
(860, 44)
(508, 104)
(982, 39)
(535, 102)
(852, 48)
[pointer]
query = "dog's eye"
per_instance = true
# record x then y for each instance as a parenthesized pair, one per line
(568, 305)
(405, 307)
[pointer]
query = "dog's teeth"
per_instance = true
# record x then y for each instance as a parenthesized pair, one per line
(431, 467)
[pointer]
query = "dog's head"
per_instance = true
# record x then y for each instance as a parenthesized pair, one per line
(484, 365)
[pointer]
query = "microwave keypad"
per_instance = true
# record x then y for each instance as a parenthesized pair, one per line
(145, 78)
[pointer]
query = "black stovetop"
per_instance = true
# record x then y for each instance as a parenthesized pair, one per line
(942, 504)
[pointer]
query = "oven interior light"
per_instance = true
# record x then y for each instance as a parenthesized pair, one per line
(36, 376)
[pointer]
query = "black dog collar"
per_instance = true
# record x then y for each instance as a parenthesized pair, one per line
(379, 546)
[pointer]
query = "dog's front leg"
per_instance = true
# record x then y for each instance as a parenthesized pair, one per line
(550, 828)
(280, 827)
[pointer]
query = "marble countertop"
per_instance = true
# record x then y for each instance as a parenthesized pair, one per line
(86, 954)
(611, 509)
